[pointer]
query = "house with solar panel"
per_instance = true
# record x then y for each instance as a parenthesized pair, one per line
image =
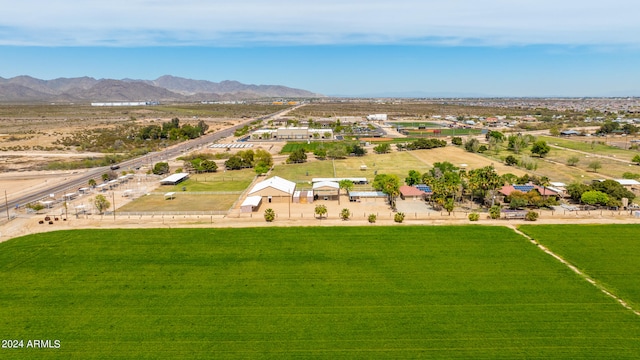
(544, 191)
(417, 192)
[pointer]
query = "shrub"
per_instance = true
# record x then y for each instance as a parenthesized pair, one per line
(269, 215)
(494, 212)
(372, 218)
(511, 160)
(531, 216)
(474, 216)
(398, 217)
(456, 140)
(345, 214)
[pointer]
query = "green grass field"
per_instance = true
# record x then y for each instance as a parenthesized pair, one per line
(181, 202)
(466, 292)
(606, 253)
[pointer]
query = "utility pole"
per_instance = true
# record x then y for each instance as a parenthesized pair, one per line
(113, 196)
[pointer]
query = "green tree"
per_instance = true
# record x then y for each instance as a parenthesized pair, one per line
(511, 160)
(474, 216)
(297, 156)
(636, 159)
(414, 178)
(449, 205)
(262, 157)
(92, 182)
(101, 203)
(320, 152)
(345, 214)
(208, 166)
(456, 140)
(321, 210)
(483, 180)
(472, 145)
(346, 184)
(573, 160)
(234, 163)
(358, 150)
(388, 184)
(576, 189)
(594, 197)
(382, 148)
(540, 148)
(337, 152)
(608, 127)
(595, 165)
(161, 168)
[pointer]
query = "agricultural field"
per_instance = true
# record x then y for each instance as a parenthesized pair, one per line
(467, 292)
(608, 254)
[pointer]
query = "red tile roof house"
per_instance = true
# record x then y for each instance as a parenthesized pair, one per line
(411, 192)
(544, 191)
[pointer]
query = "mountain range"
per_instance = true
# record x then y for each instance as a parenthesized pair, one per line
(26, 89)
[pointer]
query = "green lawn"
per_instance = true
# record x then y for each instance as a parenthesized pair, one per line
(183, 201)
(232, 180)
(466, 292)
(609, 254)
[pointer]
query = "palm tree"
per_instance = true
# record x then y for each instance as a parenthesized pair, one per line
(92, 183)
(321, 210)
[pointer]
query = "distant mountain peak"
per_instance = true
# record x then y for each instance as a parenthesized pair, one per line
(25, 88)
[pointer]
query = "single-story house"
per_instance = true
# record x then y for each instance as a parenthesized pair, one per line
(250, 204)
(326, 190)
(545, 191)
(411, 193)
(274, 189)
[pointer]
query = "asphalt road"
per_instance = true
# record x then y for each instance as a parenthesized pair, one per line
(68, 186)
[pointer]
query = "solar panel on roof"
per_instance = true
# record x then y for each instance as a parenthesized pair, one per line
(424, 188)
(523, 188)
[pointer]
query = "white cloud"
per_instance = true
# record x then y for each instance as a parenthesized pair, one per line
(288, 22)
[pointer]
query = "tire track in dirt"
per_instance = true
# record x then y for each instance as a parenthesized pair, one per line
(575, 270)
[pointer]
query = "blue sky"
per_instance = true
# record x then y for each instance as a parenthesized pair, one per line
(346, 47)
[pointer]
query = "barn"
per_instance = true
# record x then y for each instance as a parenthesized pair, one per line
(274, 189)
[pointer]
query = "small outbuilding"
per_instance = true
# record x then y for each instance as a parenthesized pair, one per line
(250, 204)
(367, 196)
(326, 190)
(174, 179)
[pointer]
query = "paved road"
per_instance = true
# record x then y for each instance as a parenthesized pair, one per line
(68, 186)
